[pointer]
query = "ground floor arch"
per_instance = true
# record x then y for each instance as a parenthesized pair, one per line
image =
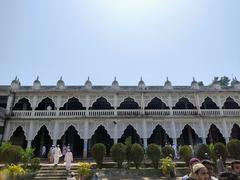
(189, 136)
(72, 139)
(214, 135)
(235, 134)
(42, 142)
(18, 137)
(160, 137)
(130, 131)
(101, 136)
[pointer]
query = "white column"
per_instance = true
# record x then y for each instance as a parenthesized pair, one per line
(220, 105)
(197, 103)
(115, 138)
(6, 132)
(30, 132)
(175, 141)
(145, 143)
(55, 133)
(204, 140)
(115, 104)
(173, 130)
(85, 148)
(142, 105)
(29, 142)
(225, 131)
(9, 103)
(87, 101)
(34, 105)
(203, 134)
(170, 104)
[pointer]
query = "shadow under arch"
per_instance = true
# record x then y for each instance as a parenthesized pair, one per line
(189, 136)
(214, 135)
(42, 139)
(130, 131)
(72, 139)
(235, 133)
(160, 137)
(18, 137)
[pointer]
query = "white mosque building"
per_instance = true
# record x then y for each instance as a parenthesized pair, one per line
(80, 116)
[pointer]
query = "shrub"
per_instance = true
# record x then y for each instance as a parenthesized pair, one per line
(84, 169)
(27, 155)
(154, 153)
(128, 143)
(233, 147)
(137, 155)
(168, 151)
(98, 153)
(220, 149)
(13, 172)
(11, 153)
(167, 166)
(202, 149)
(118, 153)
(35, 163)
(185, 153)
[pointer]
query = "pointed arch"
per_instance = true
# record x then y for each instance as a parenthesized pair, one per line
(235, 133)
(130, 131)
(230, 104)
(72, 139)
(189, 136)
(160, 137)
(129, 103)
(45, 104)
(101, 136)
(214, 135)
(23, 104)
(184, 103)
(42, 139)
(73, 104)
(18, 137)
(156, 103)
(101, 103)
(209, 104)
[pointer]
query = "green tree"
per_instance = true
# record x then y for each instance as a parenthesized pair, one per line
(233, 147)
(128, 143)
(168, 151)
(224, 81)
(185, 153)
(154, 153)
(98, 153)
(137, 155)
(118, 153)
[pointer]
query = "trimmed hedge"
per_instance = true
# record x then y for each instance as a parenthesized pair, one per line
(220, 149)
(98, 153)
(185, 153)
(168, 151)
(118, 153)
(233, 147)
(201, 150)
(154, 153)
(137, 155)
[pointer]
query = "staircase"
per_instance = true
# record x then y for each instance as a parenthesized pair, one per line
(49, 172)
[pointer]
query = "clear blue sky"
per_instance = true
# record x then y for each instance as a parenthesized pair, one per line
(124, 38)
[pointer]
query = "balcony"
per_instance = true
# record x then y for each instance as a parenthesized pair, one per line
(125, 113)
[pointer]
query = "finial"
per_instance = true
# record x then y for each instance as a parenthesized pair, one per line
(88, 78)
(193, 78)
(16, 78)
(115, 78)
(37, 78)
(141, 79)
(167, 78)
(61, 78)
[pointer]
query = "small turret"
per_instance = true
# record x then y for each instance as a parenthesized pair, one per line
(15, 85)
(88, 84)
(168, 84)
(36, 84)
(115, 84)
(60, 84)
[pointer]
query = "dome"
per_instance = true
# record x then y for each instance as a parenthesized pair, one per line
(37, 84)
(115, 84)
(194, 84)
(15, 84)
(88, 84)
(141, 84)
(168, 84)
(235, 83)
(60, 84)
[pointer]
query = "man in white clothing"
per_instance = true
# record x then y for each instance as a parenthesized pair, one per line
(56, 155)
(68, 159)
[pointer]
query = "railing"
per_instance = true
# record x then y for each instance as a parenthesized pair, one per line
(125, 112)
(210, 112)
(153, 112)
(94, 113)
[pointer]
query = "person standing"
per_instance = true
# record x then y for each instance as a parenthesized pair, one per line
(64, 150)
(50, 154)
(56, 155)
(220, 165)
(68, 159)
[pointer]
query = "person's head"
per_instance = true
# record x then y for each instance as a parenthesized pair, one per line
(200, 172)
(219, 156)
(209, 165)
(192, 162)
(72, 174)
(58, 145)
(228, 176)
(235, 165)
(68, 150)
